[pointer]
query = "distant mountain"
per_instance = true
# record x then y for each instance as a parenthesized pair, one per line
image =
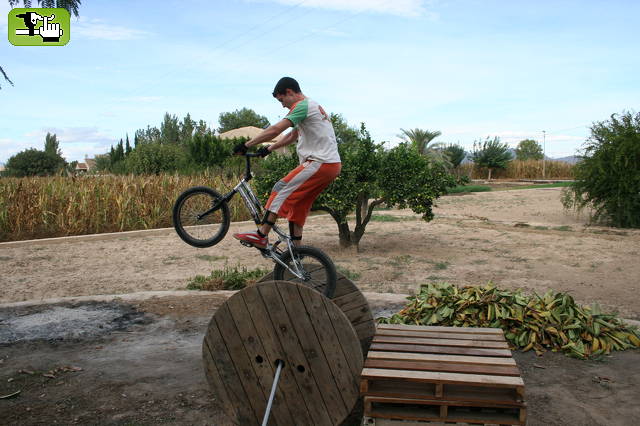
(572, 159)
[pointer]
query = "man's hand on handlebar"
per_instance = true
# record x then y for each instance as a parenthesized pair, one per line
(240, 149)
(263, 151)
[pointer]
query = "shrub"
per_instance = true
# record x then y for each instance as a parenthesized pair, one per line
(229, 278)
(608, 177)
(155, 158)
(33, 162)
(529, 149)
(491, 154)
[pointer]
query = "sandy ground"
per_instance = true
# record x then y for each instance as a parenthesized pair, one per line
(516, 239)
(129, 361)
(145, 368)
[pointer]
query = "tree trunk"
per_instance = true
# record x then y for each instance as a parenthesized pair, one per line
(489, 174)
(347, 237)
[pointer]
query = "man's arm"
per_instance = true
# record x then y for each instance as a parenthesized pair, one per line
(290, 138)
(270, 132)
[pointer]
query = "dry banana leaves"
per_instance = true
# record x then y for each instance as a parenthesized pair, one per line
(551, 321)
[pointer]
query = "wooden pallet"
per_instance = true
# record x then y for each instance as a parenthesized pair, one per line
(442, 374)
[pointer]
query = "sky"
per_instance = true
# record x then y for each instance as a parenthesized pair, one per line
(469, 69)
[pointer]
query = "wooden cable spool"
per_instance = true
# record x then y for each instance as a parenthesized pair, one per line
(352, 302)
(279, 320)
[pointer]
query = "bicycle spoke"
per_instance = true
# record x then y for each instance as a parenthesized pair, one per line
(205, 227)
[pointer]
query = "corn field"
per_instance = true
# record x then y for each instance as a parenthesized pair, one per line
(42, 207)
(530, 169)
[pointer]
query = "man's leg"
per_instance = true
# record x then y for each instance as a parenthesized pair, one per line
(267, 223)
(295, 231)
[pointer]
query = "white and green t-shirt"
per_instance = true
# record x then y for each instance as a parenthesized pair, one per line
(317, 140)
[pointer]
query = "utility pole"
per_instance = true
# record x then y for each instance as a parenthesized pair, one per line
(544, 153)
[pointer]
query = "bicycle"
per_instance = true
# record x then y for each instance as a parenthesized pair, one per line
(201, 218)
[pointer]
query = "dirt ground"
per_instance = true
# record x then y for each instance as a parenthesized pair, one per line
(140, 361)
(517, 239)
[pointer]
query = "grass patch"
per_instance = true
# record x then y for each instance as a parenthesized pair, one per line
(352, 275)
(210, 258)
(385, 218)
(442, 265)
(400, 260)
(468, 188)
(562, 228)
(541, 228)
(4, 258)
(229, 278)
(480, 262)
(436, 278)
(537, 186)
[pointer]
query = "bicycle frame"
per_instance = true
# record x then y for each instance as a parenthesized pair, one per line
(257, 212)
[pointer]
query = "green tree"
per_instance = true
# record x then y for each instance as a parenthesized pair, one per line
(127, 149)
(370, 176)
(344, 132)
(607, 178)
(455, 153)
(51, 144)
(422, 141)
(528, 149)
(201, 128)
(241, 118)
(32, 162)
(71, 6)
(52, 147)
(103, 162)
(156, 159)
(187, 127)
(170, 129)
(492, 154)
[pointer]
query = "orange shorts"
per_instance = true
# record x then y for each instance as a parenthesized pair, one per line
(293, 196)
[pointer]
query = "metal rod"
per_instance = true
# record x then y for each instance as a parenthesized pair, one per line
(279, 363)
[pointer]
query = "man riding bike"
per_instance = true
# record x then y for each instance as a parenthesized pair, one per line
(293, 196)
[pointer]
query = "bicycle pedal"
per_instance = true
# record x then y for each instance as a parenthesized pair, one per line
(246, 244)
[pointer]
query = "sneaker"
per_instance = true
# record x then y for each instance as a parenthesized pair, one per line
(252, 238)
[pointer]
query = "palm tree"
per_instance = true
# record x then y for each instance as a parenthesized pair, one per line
(70, 5)
(421, 141)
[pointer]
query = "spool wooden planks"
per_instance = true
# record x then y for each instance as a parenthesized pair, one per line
(279, 320)
(352, 302)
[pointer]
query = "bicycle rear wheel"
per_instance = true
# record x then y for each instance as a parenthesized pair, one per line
(200, 231)
(318, 270)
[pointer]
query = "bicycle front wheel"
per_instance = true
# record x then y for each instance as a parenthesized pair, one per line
(191, 226)
(317, 268)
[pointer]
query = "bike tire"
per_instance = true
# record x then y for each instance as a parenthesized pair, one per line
(207, 231)
(322, 278)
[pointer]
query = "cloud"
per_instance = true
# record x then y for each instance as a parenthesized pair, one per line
(98, 29)
(407, 8)
(75, 142)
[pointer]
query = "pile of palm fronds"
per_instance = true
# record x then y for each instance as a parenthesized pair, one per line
(552, 321)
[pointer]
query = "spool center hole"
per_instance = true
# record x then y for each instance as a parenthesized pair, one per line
(301, 368)
(259, 359)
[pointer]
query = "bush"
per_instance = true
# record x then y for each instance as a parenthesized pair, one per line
(608, 177)
(491, 154)
(33, 162)
(229, 278)
(155, 158)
